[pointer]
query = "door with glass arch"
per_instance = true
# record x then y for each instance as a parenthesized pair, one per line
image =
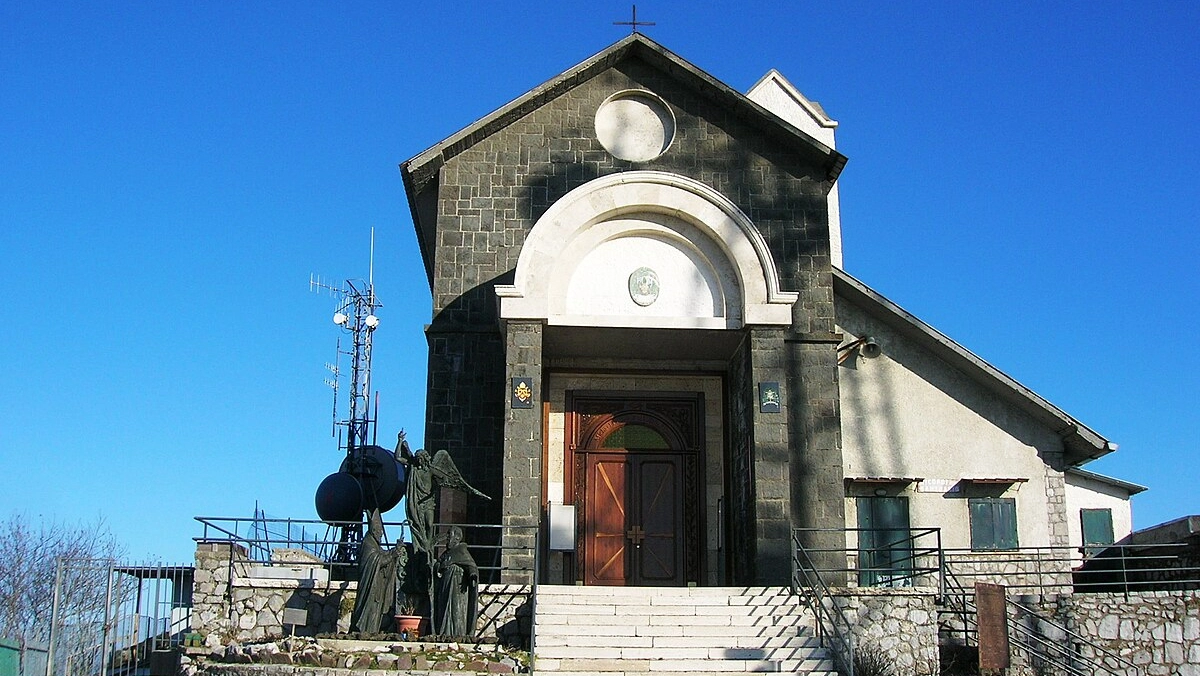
(636, 478)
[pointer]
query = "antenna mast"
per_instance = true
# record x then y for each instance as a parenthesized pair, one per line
(355, 313)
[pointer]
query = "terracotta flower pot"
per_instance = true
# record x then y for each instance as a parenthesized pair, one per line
(413, 625)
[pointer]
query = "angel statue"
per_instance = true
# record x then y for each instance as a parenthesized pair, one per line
(426, 476)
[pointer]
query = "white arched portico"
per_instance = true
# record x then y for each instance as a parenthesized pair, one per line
(646, 249)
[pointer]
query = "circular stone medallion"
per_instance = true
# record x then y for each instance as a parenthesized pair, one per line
(635, 125)
(643, 286)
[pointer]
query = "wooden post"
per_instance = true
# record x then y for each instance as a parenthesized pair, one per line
(992, 619)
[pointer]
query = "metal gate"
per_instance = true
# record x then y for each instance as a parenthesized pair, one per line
(113, 619)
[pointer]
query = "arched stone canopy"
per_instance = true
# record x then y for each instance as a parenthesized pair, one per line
(710, 266)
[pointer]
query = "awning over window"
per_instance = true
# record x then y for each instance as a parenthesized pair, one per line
(993, 480)
(883, 479)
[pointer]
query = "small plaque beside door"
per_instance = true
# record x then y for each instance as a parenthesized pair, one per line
(768, 398)
(522, 393)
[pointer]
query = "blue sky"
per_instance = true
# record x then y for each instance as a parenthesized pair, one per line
(171, 174)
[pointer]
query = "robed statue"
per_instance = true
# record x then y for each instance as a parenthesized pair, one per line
(380, 579)
(390, 578)
(457, 590)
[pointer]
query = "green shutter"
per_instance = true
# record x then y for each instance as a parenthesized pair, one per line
(993, 523)
(1097, 528)
(884, 548)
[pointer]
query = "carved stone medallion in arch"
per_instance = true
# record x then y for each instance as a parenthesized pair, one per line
(715, 236)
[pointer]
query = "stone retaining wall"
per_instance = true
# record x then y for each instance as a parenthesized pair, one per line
(898, 624)
(341, 657)
(1158, 632)
(232, 605)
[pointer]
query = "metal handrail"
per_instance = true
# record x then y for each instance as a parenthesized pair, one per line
(1114, 568)
(818, 591)
(1127, 667)
(489, 548)
(1061, 654)
(909, 553)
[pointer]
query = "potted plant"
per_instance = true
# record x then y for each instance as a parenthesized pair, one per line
(409, 624)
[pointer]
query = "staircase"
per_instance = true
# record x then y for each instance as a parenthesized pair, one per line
(675, 631)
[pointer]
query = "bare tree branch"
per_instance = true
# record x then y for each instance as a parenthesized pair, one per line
(29, 548)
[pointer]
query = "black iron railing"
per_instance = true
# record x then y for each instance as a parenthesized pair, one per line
(1046, 643)
(877, 558)
(507, 556)
(1114, 569)
(270, 541)
(856, 557)
(833, 627)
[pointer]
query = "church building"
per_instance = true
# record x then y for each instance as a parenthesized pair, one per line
(643, 336)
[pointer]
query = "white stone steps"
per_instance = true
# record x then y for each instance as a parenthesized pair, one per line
(619, 631)
(715, 640)
(814, 671)
(673, 653)
(691, 666)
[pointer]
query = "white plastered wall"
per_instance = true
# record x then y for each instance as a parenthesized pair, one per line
(908, 414)
(1088, 493)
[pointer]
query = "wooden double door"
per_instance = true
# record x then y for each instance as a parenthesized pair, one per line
(637, 492)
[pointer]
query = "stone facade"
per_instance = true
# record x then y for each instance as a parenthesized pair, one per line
(230, 605)
(340, 657)
(476, 205)
(1157, 632)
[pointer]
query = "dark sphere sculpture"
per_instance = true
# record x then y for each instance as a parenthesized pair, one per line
(340, 498)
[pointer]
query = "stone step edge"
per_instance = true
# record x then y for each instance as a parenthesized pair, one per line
(723, 642)
(660, 654)
(612, 666)
(821, 671)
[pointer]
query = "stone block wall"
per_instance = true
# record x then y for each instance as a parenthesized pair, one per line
(1030, 568)
(229, 605)
(900, 624)
(485, 200)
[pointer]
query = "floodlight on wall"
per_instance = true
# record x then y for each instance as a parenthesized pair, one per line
(870, 348)
(867, 346)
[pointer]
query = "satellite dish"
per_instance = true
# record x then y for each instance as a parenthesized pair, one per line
(383, 480)
(340, 498)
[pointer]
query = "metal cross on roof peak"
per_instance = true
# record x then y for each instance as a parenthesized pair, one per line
(634, 23)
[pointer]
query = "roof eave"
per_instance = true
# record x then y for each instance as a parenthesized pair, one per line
(1129, 486)
(1080, 443)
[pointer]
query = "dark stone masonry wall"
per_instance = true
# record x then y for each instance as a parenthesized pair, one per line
(741, 516)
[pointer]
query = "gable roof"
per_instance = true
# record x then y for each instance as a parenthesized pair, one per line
(1080, 443)
(418, 171)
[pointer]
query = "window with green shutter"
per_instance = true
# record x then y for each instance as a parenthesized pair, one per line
(1097, 529)
(884, 542)
(993, 523)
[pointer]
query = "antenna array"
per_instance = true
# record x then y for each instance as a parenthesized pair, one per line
(355, 314)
